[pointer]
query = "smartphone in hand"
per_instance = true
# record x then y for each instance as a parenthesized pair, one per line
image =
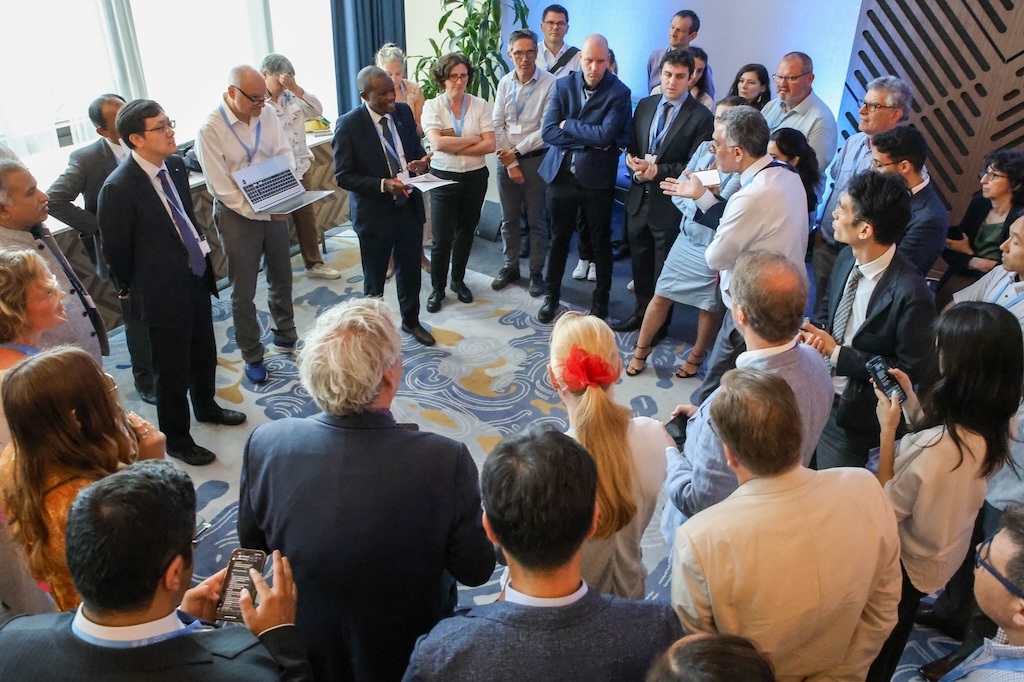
(236, 579)
(878, 368)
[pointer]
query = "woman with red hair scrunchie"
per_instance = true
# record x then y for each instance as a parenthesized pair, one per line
(629, 452)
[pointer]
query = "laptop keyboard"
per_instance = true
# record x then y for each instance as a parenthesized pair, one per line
(268, 187)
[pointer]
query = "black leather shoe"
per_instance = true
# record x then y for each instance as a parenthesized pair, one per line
(463, 292)
(434, 301)
(930, 618)
(147, 395)
(598, 311)
(936, 670)
(536, 284)
(630, 325)
(225, 418)
(620, 250)
(419, 333)
(548, 310)
(506, 276)
(196, 455)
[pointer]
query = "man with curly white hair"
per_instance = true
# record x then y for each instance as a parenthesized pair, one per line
(379, 521)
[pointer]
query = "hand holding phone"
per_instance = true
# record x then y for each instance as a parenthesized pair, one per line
(878, 368)
(237, 579)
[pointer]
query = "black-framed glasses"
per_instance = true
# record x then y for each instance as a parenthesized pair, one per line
(161, 129)
(254, 100)
(981, 562)
(202, 528)
(990, 174)
(524, 54)
(789, 79)
(872, 106)
(875, 164)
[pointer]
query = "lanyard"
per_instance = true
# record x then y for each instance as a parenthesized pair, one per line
(664, 131)
(387, 145)
(27, 350)
(249, 153)
(461, 122)
(1013, 301)
(515, 98)
(401, 86)
(175, 205)
(195, 626)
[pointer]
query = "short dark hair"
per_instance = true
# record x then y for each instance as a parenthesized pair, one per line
(692, 16)
(1010, 162)
(125, 530)
(712, 658)
(539, 489)
(557, 9)
(367, 75)
(903, 143)
(444, 65)
(883, 200)
(1012, 521)
(746, 128)
(754, 413)
(131, 120)
(522, 34)
(96, 108)
(772, 292)
(677, 58)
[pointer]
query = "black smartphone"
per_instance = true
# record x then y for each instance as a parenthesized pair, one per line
(236, 579)
(676, 428)
(878, 368)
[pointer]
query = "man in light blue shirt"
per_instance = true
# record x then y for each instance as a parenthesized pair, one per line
(799, 108)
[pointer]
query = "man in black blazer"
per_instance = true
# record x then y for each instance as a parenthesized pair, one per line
(129, 543)
(88, 168)
(159, 258)
(878, 304)
(379, 520)
(375, 149)
(667, 128)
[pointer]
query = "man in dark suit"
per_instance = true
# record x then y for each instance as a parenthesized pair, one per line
(159, 259)
(878, 304)
(379, 520)
(667, 128)
(588, 114)
(129, 544)
(88, 168)
(375, 149)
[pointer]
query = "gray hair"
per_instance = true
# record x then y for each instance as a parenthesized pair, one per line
(746, 128)
(898, 94)
(344, 356)
(389, 52)
(237, 73)
(522, 34)
(275, 64)
(8, 166)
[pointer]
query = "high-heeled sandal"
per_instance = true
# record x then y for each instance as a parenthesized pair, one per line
(632, 371)
(683, 374)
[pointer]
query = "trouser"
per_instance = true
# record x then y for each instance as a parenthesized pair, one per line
(306, 231)
(728, 345)
(842, 447)
(889, 657)
(136, 334)
(565, 198)
(245, 243)
(401, 235)
(649, 245)
(514, 198)
(455, 213)
(185, 362)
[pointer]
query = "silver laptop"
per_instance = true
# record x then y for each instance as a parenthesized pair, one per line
(271, 187)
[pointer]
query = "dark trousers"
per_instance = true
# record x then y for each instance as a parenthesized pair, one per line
(455, 212)
(728, 345)
(185, 362)
(136, 334)
(566, 198)
(842, 447)
(402, 236)
(889, 657)
(649, 245)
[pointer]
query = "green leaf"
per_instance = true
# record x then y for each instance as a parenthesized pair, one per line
(444, 20)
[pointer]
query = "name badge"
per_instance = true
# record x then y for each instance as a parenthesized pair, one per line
(204, 246)
(515, 128)
(651, 158)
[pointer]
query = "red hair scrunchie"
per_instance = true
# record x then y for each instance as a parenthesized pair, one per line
(582, 370)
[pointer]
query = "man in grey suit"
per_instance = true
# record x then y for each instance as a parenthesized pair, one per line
(87, 170)
(540, 492)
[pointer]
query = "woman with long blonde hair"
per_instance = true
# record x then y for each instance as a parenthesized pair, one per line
(629, 452)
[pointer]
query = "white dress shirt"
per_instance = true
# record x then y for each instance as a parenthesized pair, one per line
(152, 171)
(399, 147)
(546, 59)
(513, 597)
(477, 120)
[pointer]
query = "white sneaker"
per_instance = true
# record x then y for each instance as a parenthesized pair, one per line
(629, 287)
(592, 272)
(321, 271)
(581, 269)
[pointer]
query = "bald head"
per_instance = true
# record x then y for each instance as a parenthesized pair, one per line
(594, 59)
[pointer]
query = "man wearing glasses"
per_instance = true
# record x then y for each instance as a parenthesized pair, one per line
(159, 258)
(798, 107)
(682, 30)
(886, 104)
(240, 132)
(555, 56)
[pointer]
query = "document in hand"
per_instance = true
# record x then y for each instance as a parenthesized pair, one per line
(427, 182)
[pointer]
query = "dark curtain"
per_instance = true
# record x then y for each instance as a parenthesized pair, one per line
(360, 27)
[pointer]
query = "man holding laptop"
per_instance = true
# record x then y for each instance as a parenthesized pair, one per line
(238, 133)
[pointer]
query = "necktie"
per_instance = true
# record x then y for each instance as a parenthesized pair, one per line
(196, 259)
(842, 317)
(394, 164)
(661, 126)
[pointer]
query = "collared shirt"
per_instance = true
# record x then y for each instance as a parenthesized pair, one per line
(152, 171)
(747, 358)
(514, 597)
(533, 97)
(995, 649)
(546, 59)
(220, 153)
(917, 188)
(293, 112)
(813, 118)
(477, 121)
(1000, 286)
(872, 272)
(399, 148)
(119, 149)
(854, 157)
(676, 104)
(117, 637)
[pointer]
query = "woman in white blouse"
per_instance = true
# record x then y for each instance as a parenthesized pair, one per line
(461, 134)
(936, 481)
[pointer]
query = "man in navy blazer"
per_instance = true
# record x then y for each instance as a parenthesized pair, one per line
(159, 258)
(588, 116)
(379, 521)
(371, 162)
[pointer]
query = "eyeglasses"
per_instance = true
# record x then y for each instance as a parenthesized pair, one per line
(714, 150)
(112, 383)
(872, 106)
(555, 24)
(456, 77)
(254, 100)
(524, 55)
(981, 562)
(990, 174)
(876, 165)
(165, 127)
(202, 528)
(789, 79)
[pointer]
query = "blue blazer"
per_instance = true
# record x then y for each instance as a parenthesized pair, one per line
(360, 164)
(592, 132)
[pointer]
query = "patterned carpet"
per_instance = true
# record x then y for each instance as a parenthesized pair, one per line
(485, 378)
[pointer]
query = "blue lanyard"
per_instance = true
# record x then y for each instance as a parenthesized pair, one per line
(664, 131)
(249, 153)
(1013, 301)
(195, 626)
(27, 350)
(459, 124)
(515, 98)
(386, 144)
(401, 86)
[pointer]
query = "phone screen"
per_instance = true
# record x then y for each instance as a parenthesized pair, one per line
(236, 579)
(879, 370)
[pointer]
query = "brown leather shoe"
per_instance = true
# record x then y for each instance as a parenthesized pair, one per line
(420, 334)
